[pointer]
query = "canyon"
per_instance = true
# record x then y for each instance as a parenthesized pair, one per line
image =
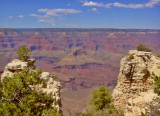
(82, 59)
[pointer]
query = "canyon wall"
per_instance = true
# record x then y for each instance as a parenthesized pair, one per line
(94, 62)
(96, 54)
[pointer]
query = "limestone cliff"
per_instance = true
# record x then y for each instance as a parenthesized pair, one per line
(52, 86)
(133, 91)
(17, 66)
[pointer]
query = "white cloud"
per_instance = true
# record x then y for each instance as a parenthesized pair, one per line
(44, 19)
(60, 18)
(108, 5)
(11, 17)
(39, 16)
(68, 4)
(150, 3)
(59, 12)
(128, 5)
(21, 16)
(53, 24)
(50, 21)
(50, 15)
(33, 15)
(94, 9)
(71, 25)
(91, 3)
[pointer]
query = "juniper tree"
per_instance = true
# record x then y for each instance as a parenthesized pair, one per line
(101, 98)
(20, 98)
(101, 104)
(144, 48)
(102, 101)
(23, 53)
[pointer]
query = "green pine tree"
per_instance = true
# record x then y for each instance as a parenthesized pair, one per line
(101, 104)
(20, 98)
(23, 53)
(144, 48)
(101, 98)
(18, 95)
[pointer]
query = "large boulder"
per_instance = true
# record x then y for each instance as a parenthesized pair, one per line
(17, 66)
(134, 92)
(14, 67)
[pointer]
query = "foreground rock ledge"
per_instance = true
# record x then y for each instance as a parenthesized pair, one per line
(133, 92)
(52, 86)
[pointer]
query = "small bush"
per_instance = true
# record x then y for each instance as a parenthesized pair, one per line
(101, 104)
(144, 48)
(101, 98)
(131, 56)
(156, 83)
(154, 108)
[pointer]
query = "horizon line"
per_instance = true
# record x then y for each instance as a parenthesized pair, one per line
(86, 28)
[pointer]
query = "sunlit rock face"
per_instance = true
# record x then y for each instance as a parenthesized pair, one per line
(134, 92)
(52, 86)
(17, 66)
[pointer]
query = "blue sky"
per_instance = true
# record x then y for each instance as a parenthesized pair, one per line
(124, 14)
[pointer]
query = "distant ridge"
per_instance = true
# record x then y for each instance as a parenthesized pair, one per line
(39, 42)
(84, 29)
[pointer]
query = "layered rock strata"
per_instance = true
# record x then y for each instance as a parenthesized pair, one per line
(52, 86)
(134, 92)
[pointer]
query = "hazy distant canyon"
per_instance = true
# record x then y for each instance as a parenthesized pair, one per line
(81, 58)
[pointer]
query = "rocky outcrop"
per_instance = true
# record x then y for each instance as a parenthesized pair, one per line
(17, 66)
(134, 92)
(52, 86)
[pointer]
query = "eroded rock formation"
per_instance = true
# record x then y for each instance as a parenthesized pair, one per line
(52, 86)
(134, 92)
